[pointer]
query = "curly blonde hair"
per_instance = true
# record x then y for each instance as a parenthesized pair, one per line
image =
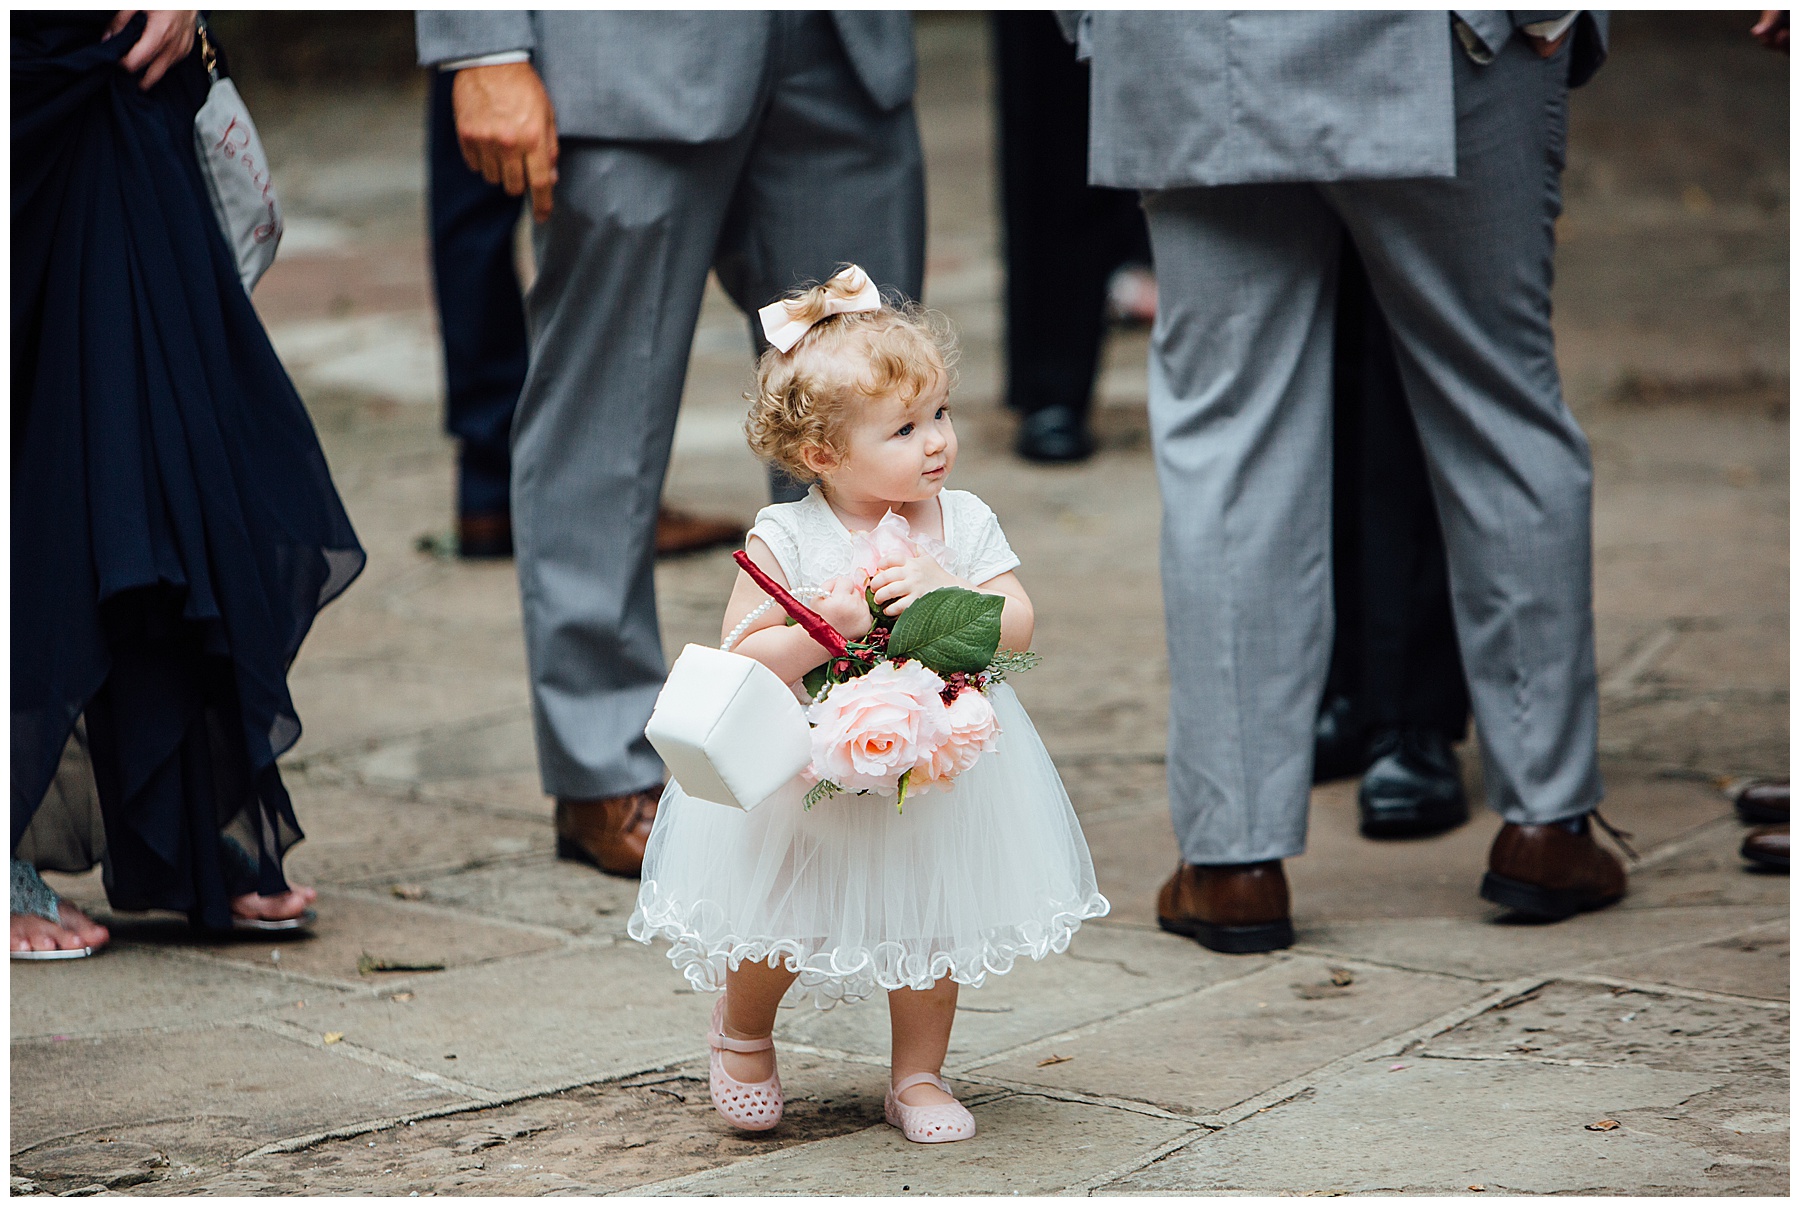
(803, 397)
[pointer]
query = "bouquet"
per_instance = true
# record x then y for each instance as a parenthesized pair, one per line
(903, 709)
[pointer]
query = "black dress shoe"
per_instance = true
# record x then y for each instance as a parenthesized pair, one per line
(1054, 434)
(1413, 786)
(1340, 742)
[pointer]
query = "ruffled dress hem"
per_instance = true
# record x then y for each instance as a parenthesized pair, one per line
(847, 974)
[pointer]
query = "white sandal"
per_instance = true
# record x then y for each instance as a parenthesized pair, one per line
(939, 1123)
(751, 1106)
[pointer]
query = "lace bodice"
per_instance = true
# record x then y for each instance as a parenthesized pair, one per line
(812, 545)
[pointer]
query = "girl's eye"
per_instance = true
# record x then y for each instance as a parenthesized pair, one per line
(905, 431)
(942, 413)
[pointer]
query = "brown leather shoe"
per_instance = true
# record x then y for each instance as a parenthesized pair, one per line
(679, 532)
(1767, 846)
(608, 833)
(484, 535)
(1233, 907)
(1761, 802)
(1550, 873)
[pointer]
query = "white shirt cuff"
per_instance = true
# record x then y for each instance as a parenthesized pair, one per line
(487, 60)
(1550, 31)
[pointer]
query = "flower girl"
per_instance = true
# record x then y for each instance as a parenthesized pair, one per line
(843, 893)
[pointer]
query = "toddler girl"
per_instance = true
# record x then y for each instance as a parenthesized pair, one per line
(853, 894)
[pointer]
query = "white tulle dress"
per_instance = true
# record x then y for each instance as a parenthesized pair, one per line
(856, 896)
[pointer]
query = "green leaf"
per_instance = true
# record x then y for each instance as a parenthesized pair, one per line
(950, 629)
(814, 682)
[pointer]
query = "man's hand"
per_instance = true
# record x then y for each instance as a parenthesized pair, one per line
(168, 39)
(507, 128)
(898, 586)
(844, 608)
(1772, 30)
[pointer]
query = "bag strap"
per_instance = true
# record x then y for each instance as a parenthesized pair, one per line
(209, 58)
(907, 1083)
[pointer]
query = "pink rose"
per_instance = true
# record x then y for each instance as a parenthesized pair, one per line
(972, 729)
(870, 730)
(889, 544)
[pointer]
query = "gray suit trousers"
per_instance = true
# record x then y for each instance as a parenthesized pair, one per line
(819, 176)
(1240, 412)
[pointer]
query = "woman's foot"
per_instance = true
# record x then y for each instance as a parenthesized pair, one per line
(282, 907)
(74, 931)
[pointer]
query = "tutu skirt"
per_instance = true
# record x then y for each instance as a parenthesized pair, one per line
(856, 896)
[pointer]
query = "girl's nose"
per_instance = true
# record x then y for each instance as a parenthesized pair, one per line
(935, 439)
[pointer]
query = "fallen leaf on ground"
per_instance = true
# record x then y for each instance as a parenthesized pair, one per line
(1604, 1125)
(1053, 1060)
(1395, 1068)
(331, 1037)
(403, 997)
(367, 963)
(1341, 976)
(1477, 1186)
(408, 892)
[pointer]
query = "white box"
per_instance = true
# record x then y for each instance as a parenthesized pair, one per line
(729, 729)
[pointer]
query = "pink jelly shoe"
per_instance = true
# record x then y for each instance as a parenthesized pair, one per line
(752, 1107)
(937, 1124)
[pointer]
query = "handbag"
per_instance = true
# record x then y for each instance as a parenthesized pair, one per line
(729, 730)
(237, 172)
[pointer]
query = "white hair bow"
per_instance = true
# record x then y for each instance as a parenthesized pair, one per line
(784, 330)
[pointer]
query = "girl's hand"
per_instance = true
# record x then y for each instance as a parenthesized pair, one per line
(896, 587)
(844, 608)
(168, 38)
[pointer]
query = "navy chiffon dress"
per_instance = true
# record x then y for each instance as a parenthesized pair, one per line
(174, 524)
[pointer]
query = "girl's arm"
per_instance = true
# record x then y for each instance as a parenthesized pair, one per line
(783, 648)
(1017, 619)
(897, 586)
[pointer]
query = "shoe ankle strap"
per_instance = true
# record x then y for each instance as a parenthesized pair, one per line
(907, 1083)
(725, 1043)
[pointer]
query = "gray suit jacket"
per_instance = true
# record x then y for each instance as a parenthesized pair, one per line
(668, 76)
(1246, 97)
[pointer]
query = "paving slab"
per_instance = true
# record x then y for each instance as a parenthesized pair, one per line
(603, 1139)
(1752, 962)
(355, 704)
(545, 892)
(140, 988)
(1204, 1052)
(460, 761)
(1449, 1127)
(352, 926)
(1497, 950)
(1706, 870)
(1105, 972)
(532, 1022)
(1006, 1156)
(1600, 1024)
(363, 835)
(271, 1086)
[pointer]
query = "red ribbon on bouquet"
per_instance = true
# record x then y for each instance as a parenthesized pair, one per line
(816, 626)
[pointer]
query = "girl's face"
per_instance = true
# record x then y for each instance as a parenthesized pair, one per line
(898, 452)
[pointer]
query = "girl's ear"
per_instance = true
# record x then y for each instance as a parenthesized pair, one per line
(819, 459)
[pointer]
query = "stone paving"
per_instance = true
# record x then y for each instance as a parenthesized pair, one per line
(1414, 1041)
